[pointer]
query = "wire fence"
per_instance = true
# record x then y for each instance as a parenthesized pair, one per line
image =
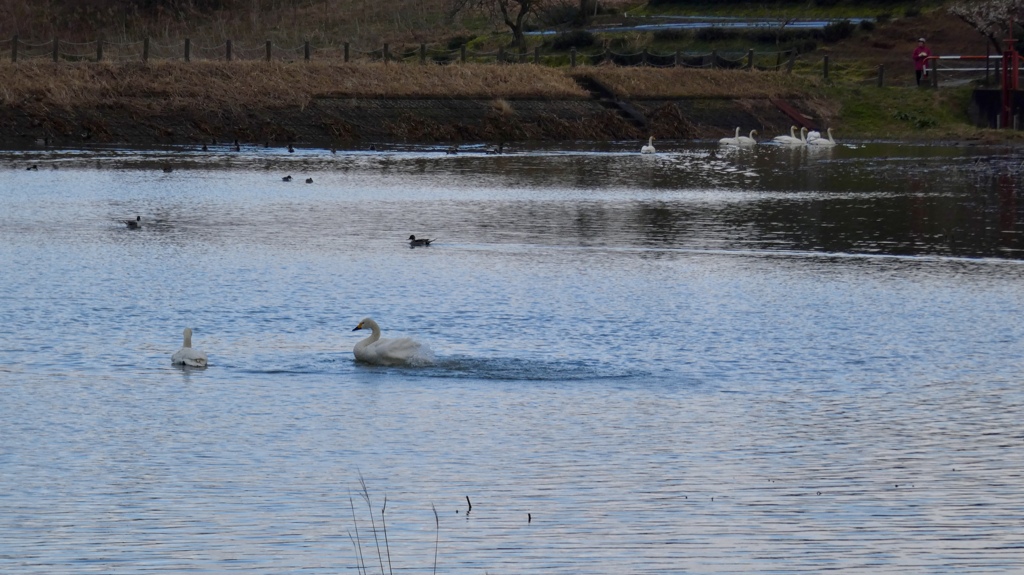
(146, 50)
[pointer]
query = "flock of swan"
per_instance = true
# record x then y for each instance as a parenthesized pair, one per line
(373, 349)
(806, 138)
(812, 138)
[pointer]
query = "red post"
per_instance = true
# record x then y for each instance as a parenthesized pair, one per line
(1011, 60)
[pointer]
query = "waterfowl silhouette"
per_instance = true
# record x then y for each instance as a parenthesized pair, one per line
(495, 151)
(451, 151)
(32, 168)
(413, 242)
(238, 147)
(291, 149)
(398, 351)
(309, 180)
(133, 224)
(188, 356)
(167, 168)
(286, 179)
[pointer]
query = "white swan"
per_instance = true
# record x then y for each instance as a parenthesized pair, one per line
(649, 148)
(188, 356)
(747, 140)
(734, 141)
(801, 141)
(813, 135)
(397, 351)
(790, 139)
(823, 141)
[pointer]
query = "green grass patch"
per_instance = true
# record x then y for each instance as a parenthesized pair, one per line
(901, 112)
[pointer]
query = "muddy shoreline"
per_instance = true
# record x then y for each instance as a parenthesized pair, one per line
(354, 122)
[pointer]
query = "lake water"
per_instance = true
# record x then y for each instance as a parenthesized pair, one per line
(699, 361)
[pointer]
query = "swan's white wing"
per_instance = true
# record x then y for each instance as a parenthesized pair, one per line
(189, 356)
(397, 351)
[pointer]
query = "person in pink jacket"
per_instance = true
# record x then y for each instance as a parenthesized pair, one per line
(921, 55)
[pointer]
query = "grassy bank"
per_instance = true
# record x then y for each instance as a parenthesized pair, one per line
(210, 89)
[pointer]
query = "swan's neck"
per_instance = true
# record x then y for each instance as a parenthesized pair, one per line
(188, 339)
(372, 337)
(650, 141)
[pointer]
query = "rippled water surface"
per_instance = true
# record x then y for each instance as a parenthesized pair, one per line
(701, 361)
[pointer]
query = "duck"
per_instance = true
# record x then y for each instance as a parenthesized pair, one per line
(828, 141)
(309, 180)
(291, 149)
(747, 140)
(32, 168)
(733, 141)
(167, 168)
(413, 242)
(188, 356)
(286, 179)
(397, 351)
(453, 150)
(495, 151)
(133, 224)
(649, 147)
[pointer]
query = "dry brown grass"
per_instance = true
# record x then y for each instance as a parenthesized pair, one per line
(670, 83)
(240, 85)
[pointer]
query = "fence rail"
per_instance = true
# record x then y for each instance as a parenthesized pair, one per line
(186, 50)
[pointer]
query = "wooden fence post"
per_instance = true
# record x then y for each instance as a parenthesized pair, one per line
(14, 49)
(935, 73)
(145, 49)
(675, 59)
(385, 53)
(572, 57)
(792, 60)
(305, 50)
(881, 75)
(500, 58)
(714, 59)
(188, 49)
(423, 53)
(536, 55)
(750, 59)
(824, 67)
(270, 51)
(227, 54)
(346, 51)
(462, 53)
(607, 55)
(56, 49)
(643, 57)
(99, 49)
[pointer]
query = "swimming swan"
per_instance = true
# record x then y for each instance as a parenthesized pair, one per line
(649, 148)
(747, 140)
(813, 135)
(734, 141)
(823, 141)
(397, 351)
(801, 141)
(188, 356)
(790, 139)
